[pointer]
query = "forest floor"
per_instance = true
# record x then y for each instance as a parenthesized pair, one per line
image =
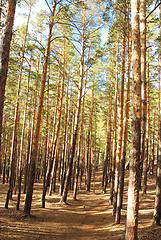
(89, 217)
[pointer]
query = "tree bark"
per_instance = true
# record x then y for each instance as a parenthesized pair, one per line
(146, 157)
(108, 143)
(143, 80)
(151, 163)
(54, 139)
(22, 142)
(123, 154)
(77, 115)
(28, 200)
(133, 189)
(114, 129)
(4, 58)
(89, 143)
(120, 123)
(65, 140)
(57, 128)
(46, 141)
(80, 134)
(16, 118)
(157, 208)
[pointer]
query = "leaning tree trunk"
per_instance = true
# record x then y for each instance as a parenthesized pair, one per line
(52, 168)
(28, 200)
(133, 189)
(4, 58)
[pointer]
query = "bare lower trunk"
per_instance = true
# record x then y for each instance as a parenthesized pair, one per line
(108, 144)
(157, 208)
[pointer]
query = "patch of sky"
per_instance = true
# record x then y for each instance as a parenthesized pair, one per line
(104, 35)
(23, 10)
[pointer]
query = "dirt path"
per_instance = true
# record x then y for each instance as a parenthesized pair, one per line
(90, 217)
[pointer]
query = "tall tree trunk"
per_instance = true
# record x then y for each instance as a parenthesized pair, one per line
(157, 207)
(158, 122)
(13, 160)
(77, 114)
(151, 167)
(123, 154)
(28, 200)
(34, 103)
(80, 134)
(114, 129)
(143, 80)
(4, 58)
(120, 123)
(146, 154)
(96, 152)
(15, 128)
(89, 143)
(26, 168)
(54, 138)
(65, 140)
(57, 128)
(108, 142)
(46, 142)
(22, 142)
(133, 189)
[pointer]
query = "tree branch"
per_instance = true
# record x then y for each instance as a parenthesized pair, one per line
(153, 10)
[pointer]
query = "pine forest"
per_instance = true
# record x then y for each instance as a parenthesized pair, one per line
(80, 119)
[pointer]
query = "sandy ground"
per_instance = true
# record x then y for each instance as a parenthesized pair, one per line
(89, 217)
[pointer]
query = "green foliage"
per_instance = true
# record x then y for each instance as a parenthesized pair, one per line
(100, 61)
